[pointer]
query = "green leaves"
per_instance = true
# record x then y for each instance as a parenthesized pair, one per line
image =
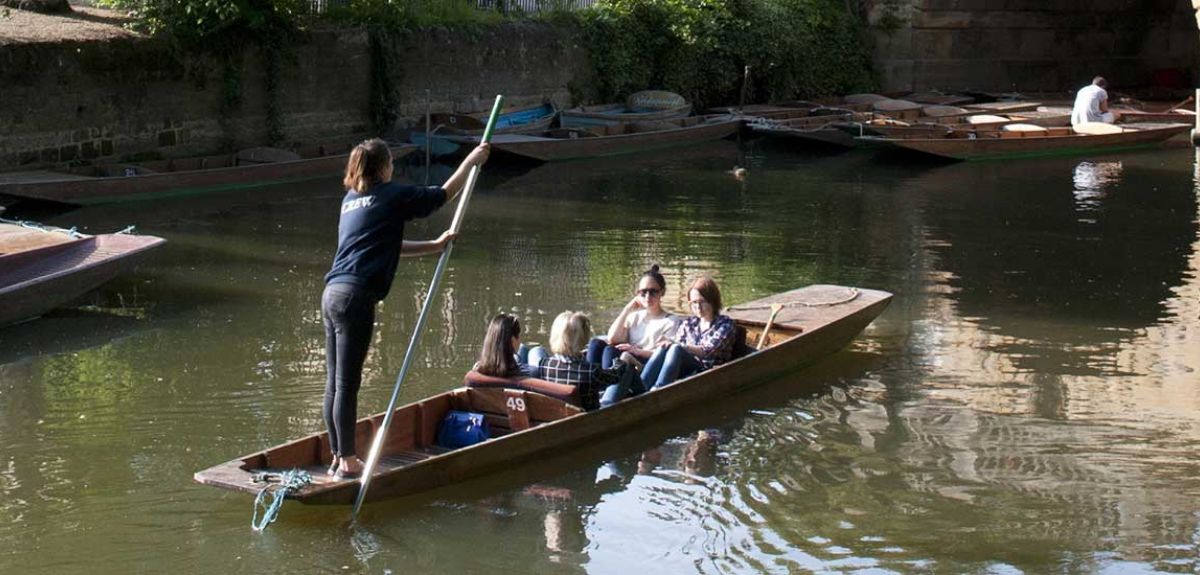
(194, 20)
(698, 48)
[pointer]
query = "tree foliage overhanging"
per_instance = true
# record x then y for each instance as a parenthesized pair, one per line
(795, 48)
(698, 48)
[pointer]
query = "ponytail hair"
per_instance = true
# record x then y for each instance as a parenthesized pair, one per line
(367, 165)
(654, 274)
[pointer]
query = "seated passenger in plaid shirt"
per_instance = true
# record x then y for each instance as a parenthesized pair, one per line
(705, 339)
(569, 336)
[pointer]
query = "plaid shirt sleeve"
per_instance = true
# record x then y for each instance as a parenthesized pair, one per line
(716, 342)
(590, 379)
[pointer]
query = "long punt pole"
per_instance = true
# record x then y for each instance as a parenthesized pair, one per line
(377, 444)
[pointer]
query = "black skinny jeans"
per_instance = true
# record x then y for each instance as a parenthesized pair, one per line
(349, 312)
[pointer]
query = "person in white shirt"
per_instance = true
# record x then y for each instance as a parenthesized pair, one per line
(640, 327)
(1091, 104)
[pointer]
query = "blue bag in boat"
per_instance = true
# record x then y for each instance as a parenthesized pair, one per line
(462, 428)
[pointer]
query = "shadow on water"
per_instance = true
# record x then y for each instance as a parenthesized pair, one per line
(66, 331)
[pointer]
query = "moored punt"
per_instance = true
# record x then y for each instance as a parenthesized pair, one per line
(940, 99)
(820, 130)
(613, 139)
(787, 109)
(1004, 107)
(23, 236)
(524, 121)
(144, 180)
(34, 280)
(815, 321)
(643, 106)
(1169, 116)
(938, 128)
(1022, 144)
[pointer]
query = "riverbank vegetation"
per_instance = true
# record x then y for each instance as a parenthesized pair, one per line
(698, 48)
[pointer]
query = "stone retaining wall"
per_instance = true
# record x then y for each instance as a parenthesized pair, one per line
(120, 99)
(1032, 45)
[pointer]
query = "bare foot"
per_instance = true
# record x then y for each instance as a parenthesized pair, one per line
(350, 465)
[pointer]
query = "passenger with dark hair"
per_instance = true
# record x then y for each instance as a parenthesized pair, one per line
(640, 327)
(502, 354)
(370, 243)
(704, 340)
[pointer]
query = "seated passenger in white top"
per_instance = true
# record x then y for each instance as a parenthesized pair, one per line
(640, 327)
(1091, 104)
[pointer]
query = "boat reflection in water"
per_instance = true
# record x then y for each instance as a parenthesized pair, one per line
(1093, 180)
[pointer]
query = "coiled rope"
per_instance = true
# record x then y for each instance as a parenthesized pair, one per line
(283, 484)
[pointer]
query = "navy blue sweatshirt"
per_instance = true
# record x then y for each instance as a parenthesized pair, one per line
(371, 232)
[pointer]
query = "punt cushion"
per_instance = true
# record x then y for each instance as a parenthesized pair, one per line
(1097, 128)
(563, 392)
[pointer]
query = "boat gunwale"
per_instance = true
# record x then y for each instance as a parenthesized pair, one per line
(153, 241)
(676, 395)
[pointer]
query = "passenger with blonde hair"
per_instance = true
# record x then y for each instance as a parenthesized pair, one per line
(706, 339)
(564, 363)
(370, 243)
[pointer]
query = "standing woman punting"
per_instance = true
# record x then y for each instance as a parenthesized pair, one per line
(370, 243)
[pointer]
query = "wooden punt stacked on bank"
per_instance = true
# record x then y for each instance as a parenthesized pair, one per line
(1049, 142)
(130, 181)
(38, 276)
(815, 321)
(613, 139)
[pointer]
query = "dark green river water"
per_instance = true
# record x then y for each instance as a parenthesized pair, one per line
(1029, 403)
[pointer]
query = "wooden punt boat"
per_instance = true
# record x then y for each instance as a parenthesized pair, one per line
(938, 127)
(613, 139)
(817, 130)
(1007, 145)
(791, 108)
(1141, 116)
(939, 99)
(650, 105)
(1004, 107)
(524, 121)
(22, 236)
(143, 180)
(37, 279)
(815, 321)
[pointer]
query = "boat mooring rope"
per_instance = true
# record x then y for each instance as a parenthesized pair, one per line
(288, 482)
(853, 295)
(41, 228)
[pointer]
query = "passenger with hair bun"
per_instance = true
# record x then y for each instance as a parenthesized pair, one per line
(370, 243)
(640, 327)
(704, 340)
